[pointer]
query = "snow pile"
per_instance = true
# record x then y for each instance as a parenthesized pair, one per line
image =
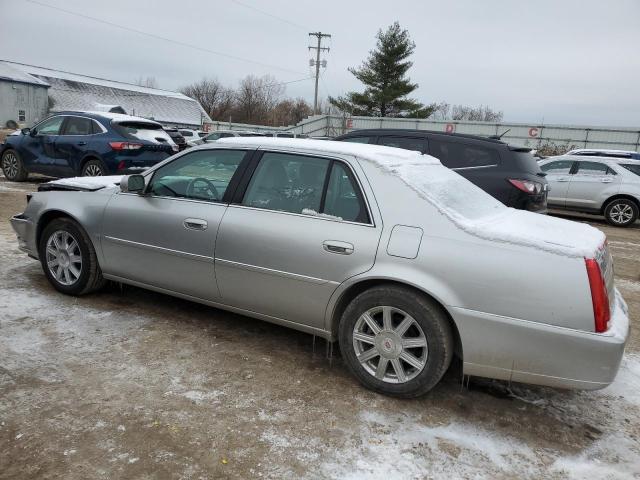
(467, 206)
(88, 183)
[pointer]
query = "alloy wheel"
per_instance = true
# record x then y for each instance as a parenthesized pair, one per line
(64, 258)
(93, 170)
(10, 165)
(390, 344)
(621, 213)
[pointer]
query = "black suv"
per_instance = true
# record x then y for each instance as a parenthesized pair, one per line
(510, 174)
(177, 138)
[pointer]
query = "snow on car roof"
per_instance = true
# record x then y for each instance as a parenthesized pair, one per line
(466, 205)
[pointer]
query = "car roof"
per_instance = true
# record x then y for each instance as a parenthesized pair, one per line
(581, 158)
(401, 131)
(601, 150)
(118, 117)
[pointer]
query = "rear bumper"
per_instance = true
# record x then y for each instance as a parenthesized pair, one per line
(25, 231)
(530, 352)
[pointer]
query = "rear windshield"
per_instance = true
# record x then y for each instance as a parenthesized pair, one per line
(635, 168)
(526, 161)
(186, 133)
(150, 132)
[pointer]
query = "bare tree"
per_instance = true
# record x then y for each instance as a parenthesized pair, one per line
(290, 111)
(149, 82)
(216, 99)
(483, 113)
(256, 99)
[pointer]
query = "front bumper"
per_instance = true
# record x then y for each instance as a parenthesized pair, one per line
(25, 231)
(530, 352)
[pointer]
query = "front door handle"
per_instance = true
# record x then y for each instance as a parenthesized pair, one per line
(563, 179)
(82, 144)
(607, 180)
(336, 246)
(195, 224)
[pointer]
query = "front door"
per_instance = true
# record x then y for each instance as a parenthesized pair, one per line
(300, 229)
(39, 147)
(166, 237)
(558, 177)
(590, 183)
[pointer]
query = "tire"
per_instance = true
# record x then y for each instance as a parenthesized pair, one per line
(93, 168)
(429, 331)
(83, 275)
(12, 166)
(621, 212)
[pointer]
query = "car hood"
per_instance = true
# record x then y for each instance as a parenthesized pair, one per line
(85, 184)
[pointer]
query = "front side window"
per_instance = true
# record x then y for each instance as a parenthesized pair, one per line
(50, 126)
(461, 155)
(594, 168)
(408, 143)
(561, 167)
(203, 175)
(78, 126)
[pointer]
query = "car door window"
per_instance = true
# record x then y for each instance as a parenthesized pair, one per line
(50, 127)
(594, 169)
(408, 143)
(288, 183)
(635, 168)
(561, 167)
(462, 155)
(359, 139)
(77, 126)
(344, 199)
(203, 175)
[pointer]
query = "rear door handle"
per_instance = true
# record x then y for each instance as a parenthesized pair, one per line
(82, 144)
(336, 246)
(562, 179)
(195, 224)
(607, 180)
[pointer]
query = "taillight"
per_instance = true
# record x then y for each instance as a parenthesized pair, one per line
(125, 145)
(527, 186)
(599, 296)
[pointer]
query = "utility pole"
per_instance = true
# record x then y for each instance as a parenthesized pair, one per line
(316, 62)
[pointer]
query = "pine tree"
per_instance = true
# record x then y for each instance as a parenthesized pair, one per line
(384, 76)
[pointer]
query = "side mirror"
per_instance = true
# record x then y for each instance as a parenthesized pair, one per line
(26, 131)
(132, 183)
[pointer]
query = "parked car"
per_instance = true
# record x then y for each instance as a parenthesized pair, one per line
(287, 135)
(396, 257)
(177, 138)
(218, 134)
(68, 144)
(598, 185)
(192, 137)
(510, 174)
(589, 152)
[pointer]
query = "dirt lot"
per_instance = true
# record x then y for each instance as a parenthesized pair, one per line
(137, 385)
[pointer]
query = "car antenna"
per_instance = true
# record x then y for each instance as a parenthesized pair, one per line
(499, 137)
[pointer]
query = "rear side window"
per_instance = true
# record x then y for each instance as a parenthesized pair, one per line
(78, 126)
(560, 167)
(635, 168)
(359, 139)
(408, 143)
(142, 131)
(461, 155)
(594, 168)
(343, 198)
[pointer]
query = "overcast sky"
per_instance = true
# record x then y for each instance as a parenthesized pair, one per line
(571, 61)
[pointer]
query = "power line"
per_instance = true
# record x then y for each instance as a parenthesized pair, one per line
(159, 37)
(297, 25)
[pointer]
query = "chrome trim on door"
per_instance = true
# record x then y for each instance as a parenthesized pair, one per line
(270, 271)
(195, 224)
(336, 246)
(169, 251)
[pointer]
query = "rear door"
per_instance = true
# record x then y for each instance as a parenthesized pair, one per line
(405, 141)
(73, 143)
(38, 149)
(591, 184)
(298, 229)
(559, 177)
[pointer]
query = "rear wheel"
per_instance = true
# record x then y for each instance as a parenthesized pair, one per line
(396, 341)
(94, 168)
(621, 212)
(68, 258)
(12, 166)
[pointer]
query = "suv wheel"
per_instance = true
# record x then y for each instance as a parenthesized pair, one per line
(94, 168)
(69, 259)
(12, 166)
(396, 341)
(621, 213)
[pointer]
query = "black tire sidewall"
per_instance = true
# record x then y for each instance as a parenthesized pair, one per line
(430, 318)
(94, 161)
(85, 275)
(607, 212)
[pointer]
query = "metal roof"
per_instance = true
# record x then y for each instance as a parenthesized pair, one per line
(72, 91)
(7, 72)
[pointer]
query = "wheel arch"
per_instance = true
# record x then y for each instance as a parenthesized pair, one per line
(47, 217)
(352, 291)
(619, 196)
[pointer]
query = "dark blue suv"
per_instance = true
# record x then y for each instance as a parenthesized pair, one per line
(69, 144)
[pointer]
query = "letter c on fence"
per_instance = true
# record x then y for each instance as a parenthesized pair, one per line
(450, 128)
(533, 132)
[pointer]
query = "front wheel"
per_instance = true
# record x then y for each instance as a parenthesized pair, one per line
(621, 212)
(12, 167)
(68, 258)
(396, 341)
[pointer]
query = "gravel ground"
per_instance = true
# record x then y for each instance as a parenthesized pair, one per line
(136, 385)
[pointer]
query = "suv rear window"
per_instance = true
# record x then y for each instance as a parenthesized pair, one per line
(635, 168)
(142, 131)
(462, 155)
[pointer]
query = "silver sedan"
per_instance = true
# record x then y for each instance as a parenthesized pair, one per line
(401, 261)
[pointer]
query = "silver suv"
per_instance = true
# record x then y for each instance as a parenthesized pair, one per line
(599, 185)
